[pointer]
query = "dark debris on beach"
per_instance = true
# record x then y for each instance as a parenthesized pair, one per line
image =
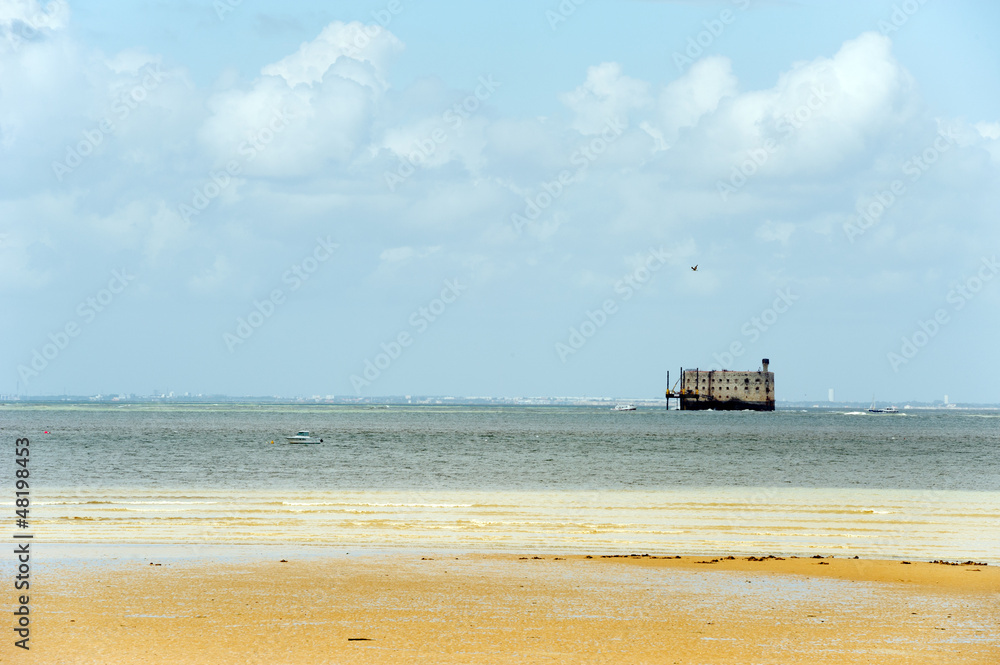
(959, 563)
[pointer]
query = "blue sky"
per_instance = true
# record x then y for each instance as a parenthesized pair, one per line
(292, 198)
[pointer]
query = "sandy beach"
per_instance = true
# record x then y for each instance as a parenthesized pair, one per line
(504, 608)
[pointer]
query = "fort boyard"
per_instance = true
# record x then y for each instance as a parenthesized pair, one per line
(724, 390)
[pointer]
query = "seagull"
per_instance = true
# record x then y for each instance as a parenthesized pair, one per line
(694, 267)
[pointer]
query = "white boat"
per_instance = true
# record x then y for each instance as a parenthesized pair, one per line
(303, 437)
(624, 407)
(888, 409)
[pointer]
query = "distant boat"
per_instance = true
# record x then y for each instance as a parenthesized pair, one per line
(624, 407)
(888, 409)
(303, 437)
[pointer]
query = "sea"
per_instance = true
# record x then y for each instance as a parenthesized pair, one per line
(921, 484)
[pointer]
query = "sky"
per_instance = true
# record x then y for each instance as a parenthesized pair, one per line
(499, 199)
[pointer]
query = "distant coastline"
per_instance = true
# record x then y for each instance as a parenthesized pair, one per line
(444, 400)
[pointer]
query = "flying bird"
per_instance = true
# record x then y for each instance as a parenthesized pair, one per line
(694, 267)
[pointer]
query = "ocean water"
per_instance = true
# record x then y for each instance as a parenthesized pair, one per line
(924, 484)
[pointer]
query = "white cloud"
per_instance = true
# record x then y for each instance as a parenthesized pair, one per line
(990, 133)
(433, 142)
(309, 109)
(25, 18)
(819, 115)
(834, 108)
(17, 274)
(779, 232)
(49, 81)
(398, 254)
(166, 231)
(212, 279)
(131, 61)
(989, 130)
(546, 227)
(659, 142)
(351, 50)
(607, 94)
(684, 101)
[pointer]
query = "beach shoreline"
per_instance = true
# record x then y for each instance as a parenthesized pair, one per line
(377, 606)
(739, 521)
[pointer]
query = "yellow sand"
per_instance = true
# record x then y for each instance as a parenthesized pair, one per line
(508, 609)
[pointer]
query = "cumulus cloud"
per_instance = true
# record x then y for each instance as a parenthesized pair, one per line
(313, 107)
(433, 141)
(166, 231)
(819, 117)
(353, 50)
(775, 232)
(47, 78)
(211, 279)
(989, 130)
(684, 101)
(25, 19)
(398, 254)
(606, 94)
(831, 110)
(990, 133)
(17, 273)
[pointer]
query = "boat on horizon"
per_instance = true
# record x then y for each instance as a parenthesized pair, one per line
(303, 437)
(623, 407)
(888, 409)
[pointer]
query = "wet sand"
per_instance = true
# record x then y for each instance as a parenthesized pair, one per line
(490, 608)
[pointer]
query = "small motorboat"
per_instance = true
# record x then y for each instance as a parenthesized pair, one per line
(303, 437)
(624, 407)
(888, 409)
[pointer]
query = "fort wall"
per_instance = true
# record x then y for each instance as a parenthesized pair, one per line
(725, 389)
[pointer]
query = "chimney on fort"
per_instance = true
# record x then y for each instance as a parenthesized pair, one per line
(765, 361)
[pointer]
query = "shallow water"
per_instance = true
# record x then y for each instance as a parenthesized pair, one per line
(921, 485)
